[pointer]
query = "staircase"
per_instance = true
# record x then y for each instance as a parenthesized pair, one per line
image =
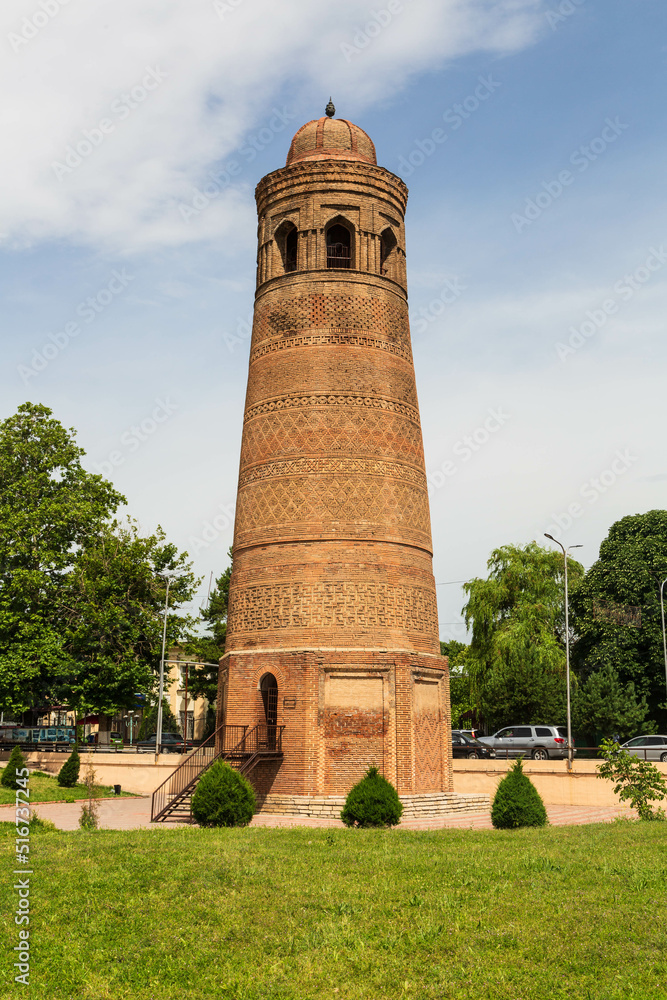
(241, 747)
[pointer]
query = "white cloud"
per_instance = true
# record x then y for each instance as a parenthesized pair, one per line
(155, 93)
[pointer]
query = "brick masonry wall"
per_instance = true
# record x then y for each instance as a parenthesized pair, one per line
(332, 590)
(342, 710)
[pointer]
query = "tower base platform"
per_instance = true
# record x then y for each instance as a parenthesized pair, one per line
(435, 804)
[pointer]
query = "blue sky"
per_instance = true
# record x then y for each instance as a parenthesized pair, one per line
(538, 303)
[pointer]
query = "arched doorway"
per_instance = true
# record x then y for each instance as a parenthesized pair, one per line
(268, 687)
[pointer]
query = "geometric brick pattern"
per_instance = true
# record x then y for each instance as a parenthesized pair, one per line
(338, 318)
(327, 370)
(336, 338)
(332, 399)
(381, 504)
(348, 429)
(428, 752)
(332, 605)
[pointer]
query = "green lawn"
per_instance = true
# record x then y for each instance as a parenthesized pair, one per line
(44, 788)
(577, 913)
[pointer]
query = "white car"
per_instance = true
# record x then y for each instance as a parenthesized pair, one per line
(647, 747)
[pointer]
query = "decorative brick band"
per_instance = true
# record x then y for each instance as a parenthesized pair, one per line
(331, 337)
(287, 402)
(360, 507)
(342, 430)
(263, 608)
(335, 467)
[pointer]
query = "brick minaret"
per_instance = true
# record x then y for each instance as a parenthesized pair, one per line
(332, 598)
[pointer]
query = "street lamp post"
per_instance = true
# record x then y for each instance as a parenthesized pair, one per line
(158, 733)
(664, 634)
(130, 719)
(567, 649)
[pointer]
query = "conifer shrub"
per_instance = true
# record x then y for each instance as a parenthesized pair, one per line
(69, 772)
(373, 801)
(15, 763)
(517, 802)
(223, 797)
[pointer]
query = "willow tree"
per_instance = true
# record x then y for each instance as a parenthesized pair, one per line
(516, 658)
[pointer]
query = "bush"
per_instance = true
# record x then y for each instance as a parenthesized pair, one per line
(373, 801)
(637, 781)
(45, 825)
(223, 797)
(517, 802)
(69, 772)
(15, 763)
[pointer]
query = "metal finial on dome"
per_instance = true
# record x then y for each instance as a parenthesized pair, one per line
(330, 110)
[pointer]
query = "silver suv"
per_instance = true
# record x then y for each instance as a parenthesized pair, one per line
(538, 742)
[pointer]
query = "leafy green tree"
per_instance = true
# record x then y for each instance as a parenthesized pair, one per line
(81, 595)
(148, 725)
(50, 507)
(460, 688)
(114, 616)
(627, 575)
(209, 647)
(516, 659)
(608, 707)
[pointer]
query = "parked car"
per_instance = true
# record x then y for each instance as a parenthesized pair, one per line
(647, 747)
(170, 743)
(538, 742)
(115, 741)
(466, 746)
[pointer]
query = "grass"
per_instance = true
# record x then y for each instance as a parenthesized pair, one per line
(45, 788)
(577, 913)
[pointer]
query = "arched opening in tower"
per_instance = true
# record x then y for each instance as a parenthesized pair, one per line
(268, 687)
(338, 246)
(388, 246)
(287, 237)
(291, 250)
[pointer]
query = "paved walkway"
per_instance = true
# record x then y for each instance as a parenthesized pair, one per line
(134, 813)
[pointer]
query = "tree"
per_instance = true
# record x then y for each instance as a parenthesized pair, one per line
(81, 595)
(49, 508)
(148, 726)
(460, 689)
(616, 614)
(114, 614)
(208, 648)
(604, 706)
(516, 659)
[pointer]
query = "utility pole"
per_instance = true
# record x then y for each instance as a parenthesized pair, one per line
(567, 650)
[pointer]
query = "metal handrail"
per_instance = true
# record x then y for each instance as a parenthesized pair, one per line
(230, 742)
(224, 738)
